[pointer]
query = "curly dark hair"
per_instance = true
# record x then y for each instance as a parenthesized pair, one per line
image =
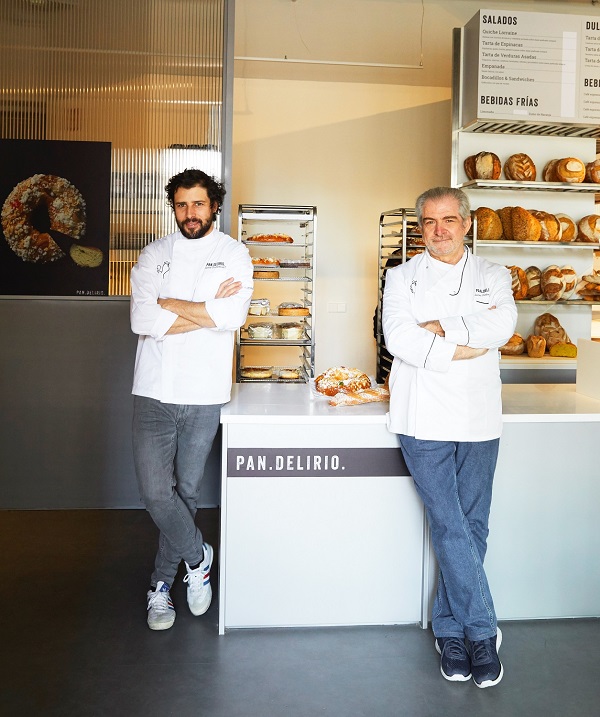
(196, 178)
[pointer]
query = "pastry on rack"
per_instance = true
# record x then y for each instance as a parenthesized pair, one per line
(264, 330)
(292, 308)
(259, 307)
(292, 331)
(592, 172)
(275, 238)
(257, 372)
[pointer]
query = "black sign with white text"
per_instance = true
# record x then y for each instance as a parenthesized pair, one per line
(294, 462)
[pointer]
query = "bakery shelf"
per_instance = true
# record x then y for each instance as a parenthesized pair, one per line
(538, 129)
(539, 244)
(507, 185)
(285, 278)
(561, 302)
(544, 363)
(294, 284)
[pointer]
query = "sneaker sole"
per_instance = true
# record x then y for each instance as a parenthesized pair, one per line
(451, 678)
(162, 625)
(491, 683)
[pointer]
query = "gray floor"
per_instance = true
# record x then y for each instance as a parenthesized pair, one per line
(75, 644)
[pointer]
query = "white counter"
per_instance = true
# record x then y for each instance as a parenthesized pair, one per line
(294, 403)
(299, 535)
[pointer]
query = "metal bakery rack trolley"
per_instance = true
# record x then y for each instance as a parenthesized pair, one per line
(272, 347)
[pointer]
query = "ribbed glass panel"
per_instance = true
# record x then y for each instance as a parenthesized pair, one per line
(145, 75)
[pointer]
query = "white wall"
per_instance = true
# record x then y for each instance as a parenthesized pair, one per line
(352, 140)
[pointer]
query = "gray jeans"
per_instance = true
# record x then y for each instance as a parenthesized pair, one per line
(171, 443)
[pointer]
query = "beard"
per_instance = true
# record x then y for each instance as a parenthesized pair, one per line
(200, 230)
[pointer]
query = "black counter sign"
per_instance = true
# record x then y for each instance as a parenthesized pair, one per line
(295, 462)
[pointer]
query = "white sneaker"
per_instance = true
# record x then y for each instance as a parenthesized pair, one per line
(161, 613)
(199, 592)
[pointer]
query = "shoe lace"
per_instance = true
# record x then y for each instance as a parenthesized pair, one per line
(195, 580)
(159, 601)
(454, 648)
(481, 651)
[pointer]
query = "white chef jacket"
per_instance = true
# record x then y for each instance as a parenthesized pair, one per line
(193, 367)
(432, 396)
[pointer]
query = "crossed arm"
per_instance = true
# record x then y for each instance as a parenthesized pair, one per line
(192, 315)
(462, 352)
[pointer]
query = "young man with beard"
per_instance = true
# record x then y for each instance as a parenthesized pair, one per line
(445, 314)
(190, 292)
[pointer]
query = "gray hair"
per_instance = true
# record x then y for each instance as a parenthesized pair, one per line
(464, 208)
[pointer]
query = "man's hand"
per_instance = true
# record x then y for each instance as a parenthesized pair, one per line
(434, 326)
(228, 288)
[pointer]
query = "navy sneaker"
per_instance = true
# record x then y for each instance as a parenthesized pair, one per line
(486, 667)
(455, 664)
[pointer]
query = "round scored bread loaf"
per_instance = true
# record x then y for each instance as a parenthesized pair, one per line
(489, 226)
(548, 326)
(567, 226)
(483, 165)
(515, 346)
(536, 346)
(589, 229)
(549, 171)
(534, 278)
(552, 283)
(592, 172)
(569, 276)
(519, 282)
(570, 169)
(520, 167)
(550, 226)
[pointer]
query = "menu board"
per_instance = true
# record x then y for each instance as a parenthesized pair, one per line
(538, 67)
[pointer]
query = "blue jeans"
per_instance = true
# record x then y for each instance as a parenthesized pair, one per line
(454, 481)
(171, 443)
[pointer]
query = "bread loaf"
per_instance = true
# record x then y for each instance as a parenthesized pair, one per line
(489, 225)
(550, 226)
(592, 172)
(268, 274)
(570, 169)
(536, 346)
(565, 349)
(548, 326)
(549, 172)
(484, 165)
(569, 276)
(589, 229)
(552, 283)
(568, 228)
(525, 227)
(520, 167)
(515, 346)
(505, 214)
(87, 256)
(534, 278)
(519, 282)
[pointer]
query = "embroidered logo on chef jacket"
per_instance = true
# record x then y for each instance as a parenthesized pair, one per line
(413, 286)
(215, 265)
(164, 269)
(482, 296)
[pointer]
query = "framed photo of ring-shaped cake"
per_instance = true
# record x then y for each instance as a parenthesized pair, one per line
(55, 218)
